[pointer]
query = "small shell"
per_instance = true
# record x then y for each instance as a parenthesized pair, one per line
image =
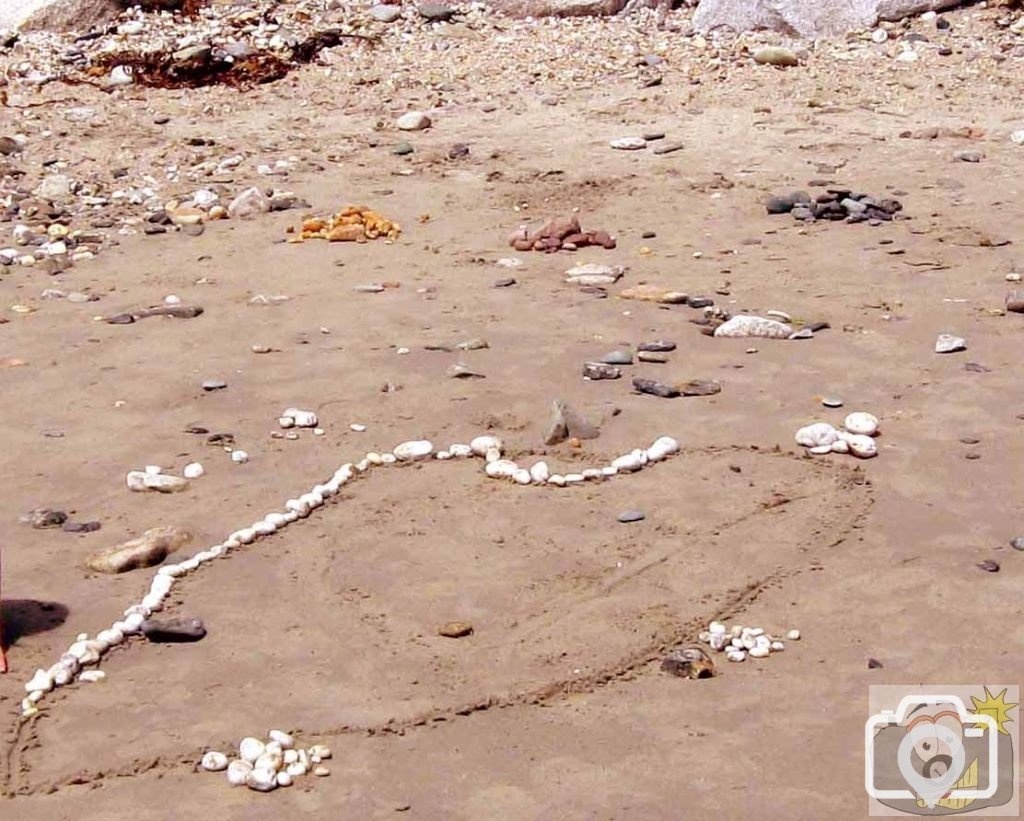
(214, 762)
(481, 444)
(251, 749)
(411, 451)
(862, 423)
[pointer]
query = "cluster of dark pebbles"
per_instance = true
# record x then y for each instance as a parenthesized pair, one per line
(835, 204)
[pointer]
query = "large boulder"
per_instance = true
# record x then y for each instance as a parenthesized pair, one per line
(76, 15)
(808, 18)
(558, 8)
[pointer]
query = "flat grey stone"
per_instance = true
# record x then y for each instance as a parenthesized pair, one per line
(628, 516)
(947, 343)
(566, 423)
(214, 384)
(618, 358)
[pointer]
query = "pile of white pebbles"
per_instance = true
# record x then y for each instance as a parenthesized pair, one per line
(856, 437)
(738, 642)
(85, 651)
(266, 765)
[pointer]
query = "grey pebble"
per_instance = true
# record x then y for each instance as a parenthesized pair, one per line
(173, 631)
(43, 517)
(81, 527)
(600, 370)
(667, 148)
(654, 388)
(618, 358)
(657, 345)
(505, 282)
(832, 402)
(652, 356)
(1017, 543)
(214, 384)
(628, 516)
(700, 301)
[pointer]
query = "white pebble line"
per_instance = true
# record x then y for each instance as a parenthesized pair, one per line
(265, 766)
(85, 651)
(739, 642)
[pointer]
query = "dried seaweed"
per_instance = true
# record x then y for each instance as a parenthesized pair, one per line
(163, 70)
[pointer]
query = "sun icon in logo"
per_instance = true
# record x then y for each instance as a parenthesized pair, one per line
(996, 707)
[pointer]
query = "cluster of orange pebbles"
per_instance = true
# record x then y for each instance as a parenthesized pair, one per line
(351, 224)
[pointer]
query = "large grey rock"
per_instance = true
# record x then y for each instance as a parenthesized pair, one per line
(808, 18)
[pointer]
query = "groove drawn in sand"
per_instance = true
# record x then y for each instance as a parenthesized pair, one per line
(613, 618)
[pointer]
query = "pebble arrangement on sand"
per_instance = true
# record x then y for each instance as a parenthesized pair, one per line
(85, 652)
(739, 642)
(821, 438)
(266, 765)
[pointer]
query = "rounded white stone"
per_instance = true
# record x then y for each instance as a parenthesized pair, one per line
(291, 756)
(816, 435)
(661, 448)
(261, 779)
(193, 470)
(862, 446)
(411, 451)
(593, 474)
(321, 750)
(282, 738)
(442, 456)
(111, 636)
(40, 681)
(153, 470)
(759, 652)
(793, 635)
(237, 771)
(735, 655)
(154, 601)
(388, 459)
(214, 762)
(609, 471)
(301, 418)
(263, 528)
(557, 480)
(628, 462)
(502, 469)
(269, 761)
(284, 779)
(777, 646)
(286, 422)
(171, 570)
(522, 476)
(717, 641)
(821, 450)
(239, 456)
(374, 458)
(840, 446)
(251, 749)
(573, 478)
(460, 451)
(716, 627)
(861, 423)
(540, 473)
(481, 444)
(297, 769)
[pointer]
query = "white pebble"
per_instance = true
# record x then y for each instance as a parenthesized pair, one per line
(862, 446)
(412, 451)
(321, 750)
(261, 779)
(321, 771)
(522, 476)
(793, 635)
(193, 470)
(153, 470)
(282, 738)
(759, 652)
(573, 478)
(301, 418)
(291, 756)
(777, 646)
(214, 762)
(269, 761)
(388, 459)
(662, 447)
(716, 627)
(238, 770)
(286, 422)
(557, 480)
(239, 456)
(284, 779)
(40, 681)
(540, 473)
(251, 749)
(735, 655)
(481, 444)
(816, 435)
(629, 462)
(862, 423)
(297, 769)
(460, 451)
